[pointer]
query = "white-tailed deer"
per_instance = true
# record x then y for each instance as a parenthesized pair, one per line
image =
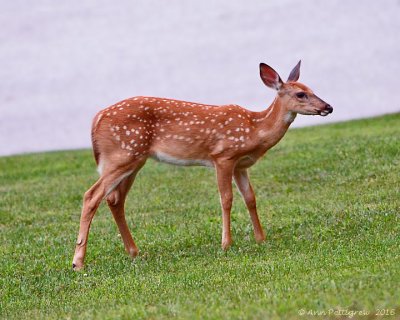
(228, 138)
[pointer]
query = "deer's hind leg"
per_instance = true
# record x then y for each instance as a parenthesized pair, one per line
(108, 181)
(116, 203)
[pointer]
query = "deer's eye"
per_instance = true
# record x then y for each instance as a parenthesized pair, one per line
(301, 95)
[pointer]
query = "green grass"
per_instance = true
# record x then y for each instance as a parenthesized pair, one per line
(328, 198)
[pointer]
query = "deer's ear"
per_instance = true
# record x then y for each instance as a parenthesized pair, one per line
(270, 77)
(295, 74)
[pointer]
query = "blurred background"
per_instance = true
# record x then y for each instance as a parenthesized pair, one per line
(61, 62)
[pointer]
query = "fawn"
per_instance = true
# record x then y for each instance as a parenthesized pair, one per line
(228, 138)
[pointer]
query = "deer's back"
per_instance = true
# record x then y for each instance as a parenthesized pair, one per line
(178, 132)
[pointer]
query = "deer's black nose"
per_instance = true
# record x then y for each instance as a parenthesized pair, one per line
(329, 108)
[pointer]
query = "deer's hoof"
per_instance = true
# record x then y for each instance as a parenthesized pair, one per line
(226, 244)
(133, 252)
(260, 239)
(77, 267)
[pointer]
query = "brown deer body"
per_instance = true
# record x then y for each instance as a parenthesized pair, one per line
(228, 138)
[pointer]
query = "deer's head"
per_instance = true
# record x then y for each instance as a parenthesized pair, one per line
(295, 96)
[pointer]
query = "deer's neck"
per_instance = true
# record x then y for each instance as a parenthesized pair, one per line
(272, 123)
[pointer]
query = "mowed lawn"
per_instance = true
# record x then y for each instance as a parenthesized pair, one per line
(328, 198)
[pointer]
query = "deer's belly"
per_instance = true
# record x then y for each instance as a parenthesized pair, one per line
(168, 158)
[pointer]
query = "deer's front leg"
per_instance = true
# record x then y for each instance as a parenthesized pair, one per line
(224, 170)
(243, 183)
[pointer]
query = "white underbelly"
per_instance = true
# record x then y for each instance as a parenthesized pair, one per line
(166, 158)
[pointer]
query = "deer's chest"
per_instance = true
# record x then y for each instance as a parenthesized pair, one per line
(250, 158)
